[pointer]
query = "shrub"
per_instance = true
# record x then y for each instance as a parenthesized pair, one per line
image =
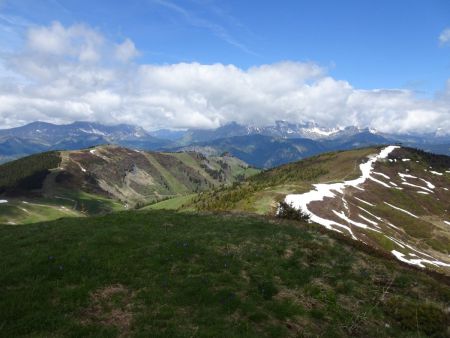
(412, 316)
(287, 211)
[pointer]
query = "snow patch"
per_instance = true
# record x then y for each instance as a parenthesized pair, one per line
(301, 201)
(402, 210)
(406, 159)
(368, 220)
(3, 201)
(381, 174)
(365, 202)
(417, 261)
(406, 175)
(319, 131)
(429, 185)
(423, 192)
(436, 173)
(342, 216)
(417, 186)
(379, 182)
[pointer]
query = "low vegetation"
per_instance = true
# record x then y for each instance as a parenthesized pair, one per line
(27, 173)
(166, 274)
(272, 185)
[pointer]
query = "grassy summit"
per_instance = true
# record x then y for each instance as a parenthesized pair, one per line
(161, 273)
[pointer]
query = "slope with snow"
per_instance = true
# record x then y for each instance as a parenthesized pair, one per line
(394, 205)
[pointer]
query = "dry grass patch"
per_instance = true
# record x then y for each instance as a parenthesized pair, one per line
(111, 306)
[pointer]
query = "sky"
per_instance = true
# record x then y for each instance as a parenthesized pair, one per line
(203, 63)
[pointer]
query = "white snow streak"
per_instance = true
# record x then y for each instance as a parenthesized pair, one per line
(368, 220)
(417, 186)
(3, 201)
(365, 202)
(406, 175)
(417, 261)
(400, 209)
(429, 185)
(436, 173)
(381, 174)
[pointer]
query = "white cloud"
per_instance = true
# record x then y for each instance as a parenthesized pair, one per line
(77, 41)
(444, 37)
(126, 51)
(75, 73)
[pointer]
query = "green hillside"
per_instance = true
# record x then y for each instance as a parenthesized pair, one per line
(27, 173)
(105, 179)
(261, 193)
(402, 209)
(166, 274)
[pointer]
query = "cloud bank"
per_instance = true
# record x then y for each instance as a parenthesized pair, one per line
(63, 74)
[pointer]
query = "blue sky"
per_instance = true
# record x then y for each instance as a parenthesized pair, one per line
(372, 44)
(385, 45)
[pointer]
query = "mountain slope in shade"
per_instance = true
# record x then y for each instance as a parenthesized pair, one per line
(259, 150)
(401, 206)
(108, 178)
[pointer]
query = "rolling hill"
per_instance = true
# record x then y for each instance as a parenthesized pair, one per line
(397, 202)
(144, 272)
(106, 178)
(166, 274)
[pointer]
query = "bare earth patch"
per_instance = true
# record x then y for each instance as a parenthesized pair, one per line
(111, 306)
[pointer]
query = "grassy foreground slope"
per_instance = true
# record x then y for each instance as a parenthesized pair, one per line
(166, 274)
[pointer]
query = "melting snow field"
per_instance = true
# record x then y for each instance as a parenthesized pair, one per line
(416, 261)
(301, 201)
(321, 191)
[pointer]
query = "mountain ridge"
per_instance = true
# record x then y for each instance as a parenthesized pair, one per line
(41, 136)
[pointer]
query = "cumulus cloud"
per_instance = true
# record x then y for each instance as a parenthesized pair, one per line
(126, 51)
(77, 41)
(444, 37)
(74, 73)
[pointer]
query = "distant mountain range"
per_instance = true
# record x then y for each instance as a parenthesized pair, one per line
(266, 146)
